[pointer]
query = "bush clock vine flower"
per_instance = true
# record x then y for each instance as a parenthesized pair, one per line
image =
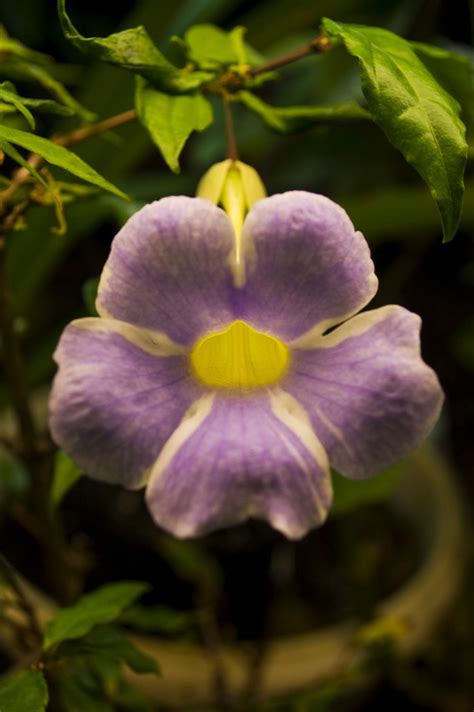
(229, 368)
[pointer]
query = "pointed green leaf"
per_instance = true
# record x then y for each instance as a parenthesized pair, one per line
(417, 115)
(286, 119)
(58, 156)
(24, 692)
(9, 95)
(66, 474)
(133, 49)
(16, 156)
(108, 642)
(210, 47)
(97, 608)
(454, 72)
(171, 118)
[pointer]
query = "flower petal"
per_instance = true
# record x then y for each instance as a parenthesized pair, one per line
(235, 457)
(117, 397)
(370, 397)
(168, 269)
(306, 267)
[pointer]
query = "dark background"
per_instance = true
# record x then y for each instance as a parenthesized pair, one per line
(353, 164)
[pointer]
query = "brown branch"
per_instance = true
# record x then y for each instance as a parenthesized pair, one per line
(78, 135)
(22, 175)
(321, 43)
(13, 364)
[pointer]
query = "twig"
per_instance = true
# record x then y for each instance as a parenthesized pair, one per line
(78, 135)
(9, 575)
(321, 43)
(22, 175)
(213, 644)
(13, 364)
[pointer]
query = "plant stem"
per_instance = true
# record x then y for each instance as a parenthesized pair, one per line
(321, 43)
(78, 135)
(22, 175)
(232, 151)
(34, 450)
(13, 364)
(9, 575)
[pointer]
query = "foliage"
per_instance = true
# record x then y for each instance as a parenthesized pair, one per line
(420, 96)
(102, 606)
(25, 691)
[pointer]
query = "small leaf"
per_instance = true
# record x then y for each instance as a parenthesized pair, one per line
(133, 49)
(9, 95)
(171, 119)
(101, 606)
(417, 115)
(16, 156)
(349, 494)
(58, 156)
(58, 90)
(20, 61)
(286, 119)
(108, 642)
(66, 474)
(158, 619)
(24, 692)
(211, 48)
(454, 72)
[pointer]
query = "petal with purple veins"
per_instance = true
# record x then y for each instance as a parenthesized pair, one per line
(119, 393)
(370, 397)
(168, 269)
(306, 267)
(240, 456)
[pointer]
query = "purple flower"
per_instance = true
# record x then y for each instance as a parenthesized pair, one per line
(228, 401)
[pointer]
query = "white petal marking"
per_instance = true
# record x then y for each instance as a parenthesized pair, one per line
(357, 325)
(153, 342)
(192, 419)
(290, 412)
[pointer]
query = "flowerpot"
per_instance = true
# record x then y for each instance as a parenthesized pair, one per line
(426, 496)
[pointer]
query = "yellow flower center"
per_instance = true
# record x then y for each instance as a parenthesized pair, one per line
(239, 357)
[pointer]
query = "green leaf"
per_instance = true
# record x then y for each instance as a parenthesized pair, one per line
(24, 692)
(454, 72)
(58, 156)
(66, 474)
(349, 494)
(210, 47)
(171, 119)
(158, 619)
(16, 156)
(417, 115)
(9, 95)
(108, 642)
(133, 49)
(52, 85)
(99, 607)
(286, 119)
(21, 62)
